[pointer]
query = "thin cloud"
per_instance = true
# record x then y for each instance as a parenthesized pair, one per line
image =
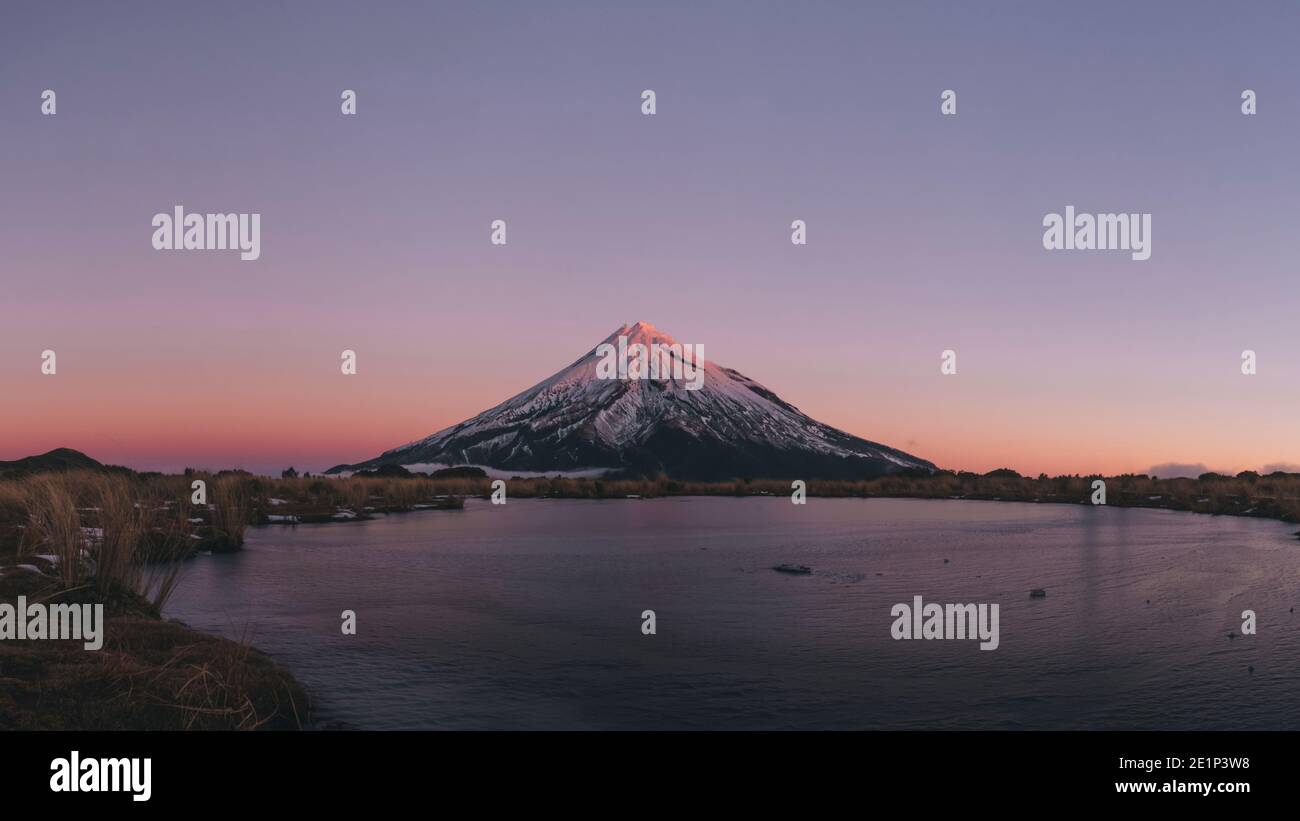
(1284, 467)
(1175, 470)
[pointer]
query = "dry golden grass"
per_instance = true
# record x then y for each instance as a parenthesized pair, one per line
(231, 511)
(150, 674)
(107, 531)
(52, 526)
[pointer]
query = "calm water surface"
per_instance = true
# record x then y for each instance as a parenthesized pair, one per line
(528, 615)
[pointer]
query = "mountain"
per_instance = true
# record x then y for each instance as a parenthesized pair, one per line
(576, 422)
(59, 459)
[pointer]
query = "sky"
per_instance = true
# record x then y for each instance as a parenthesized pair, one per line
(924, 231)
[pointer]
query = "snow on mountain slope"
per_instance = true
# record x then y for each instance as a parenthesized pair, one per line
(574, 421)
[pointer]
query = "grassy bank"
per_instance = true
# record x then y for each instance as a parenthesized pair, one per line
(133, 520)
(91, 538)
(151, 674)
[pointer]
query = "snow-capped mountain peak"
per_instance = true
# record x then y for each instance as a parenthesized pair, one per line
(709, 424)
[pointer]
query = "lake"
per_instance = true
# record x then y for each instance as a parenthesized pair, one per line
(528, 615)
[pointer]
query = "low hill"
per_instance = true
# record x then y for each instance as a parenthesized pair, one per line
(57, 460)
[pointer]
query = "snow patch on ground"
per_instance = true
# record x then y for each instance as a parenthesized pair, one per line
(496, 473)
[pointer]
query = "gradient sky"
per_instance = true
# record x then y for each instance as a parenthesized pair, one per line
(924, 231)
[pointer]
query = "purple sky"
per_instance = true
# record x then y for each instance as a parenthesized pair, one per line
(924, 231)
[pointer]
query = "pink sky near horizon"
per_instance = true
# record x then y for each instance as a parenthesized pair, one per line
(265, 407)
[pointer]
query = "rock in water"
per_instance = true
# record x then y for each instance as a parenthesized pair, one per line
(797, 569)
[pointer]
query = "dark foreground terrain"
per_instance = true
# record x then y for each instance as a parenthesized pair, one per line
(150, 674)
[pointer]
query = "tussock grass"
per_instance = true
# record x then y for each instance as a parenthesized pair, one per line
(52, 526)
(231, 512)
(150, 674)
(105, 531)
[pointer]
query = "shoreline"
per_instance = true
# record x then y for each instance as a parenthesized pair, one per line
(375, 514)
